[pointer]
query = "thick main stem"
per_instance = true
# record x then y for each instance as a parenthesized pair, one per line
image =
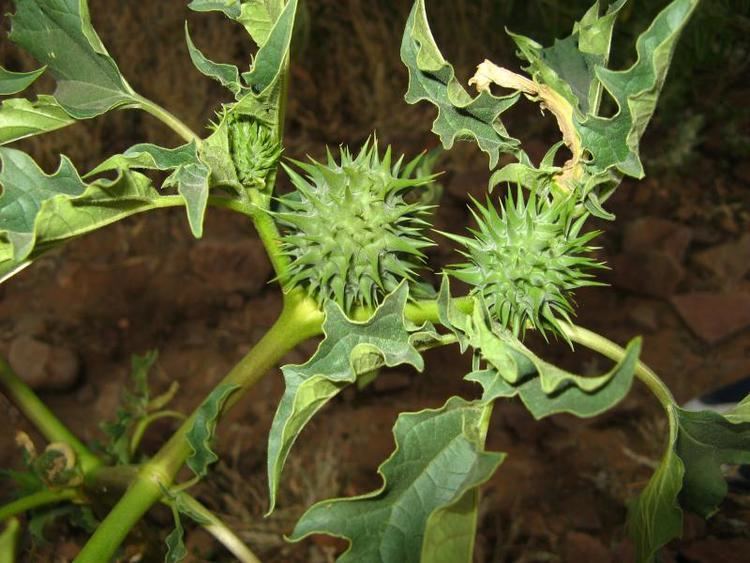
(299, 320)
(44, 419)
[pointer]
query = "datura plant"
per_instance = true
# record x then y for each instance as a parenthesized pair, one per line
(347, 244)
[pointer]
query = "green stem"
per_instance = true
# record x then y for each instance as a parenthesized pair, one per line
(9, 541)
(218, 529)
(35, 500)
(169, 119)
(269, 235)
(299, 320)
(44, 419)
(608, 348)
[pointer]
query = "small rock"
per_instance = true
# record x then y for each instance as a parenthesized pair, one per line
(232, 266)
(714, 316)
(42, 366)
(653, 233)
(729, 262)
(643, 315)
(652, 272)
(583, 547)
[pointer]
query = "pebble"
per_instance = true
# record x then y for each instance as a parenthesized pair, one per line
(42, 366)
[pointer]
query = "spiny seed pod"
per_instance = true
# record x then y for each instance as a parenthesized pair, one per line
(254, 150)
(526, 261)
(351, 235)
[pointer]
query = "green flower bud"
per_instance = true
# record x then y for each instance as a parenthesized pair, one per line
(254, 150)
(350, 233)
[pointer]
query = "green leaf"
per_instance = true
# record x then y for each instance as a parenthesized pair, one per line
(227, 75)
(134, 406)
(21, 118)
(350, 348)
(230, 8)
(59, 34)
(176, 550)
(614, 141)
(689, 476)
(15, 82)
(460, 116)
(201, 432)
(707, 440)
(438, 460)
(62, 216)
(269, 61)
(192, 184)
(151, 157)
(26, 188)
(259, 17)
(190, 174)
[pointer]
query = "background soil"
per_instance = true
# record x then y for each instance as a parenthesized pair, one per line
(679, 253)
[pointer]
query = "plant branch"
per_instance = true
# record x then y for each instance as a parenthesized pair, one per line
(299, 320)
(44, 419)
(218, 529)
(169, 119)
(35, 500)
(608, 348)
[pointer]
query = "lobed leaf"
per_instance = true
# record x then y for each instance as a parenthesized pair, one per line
(230, 8)
(26, 188)
(59, 34)
(38, 212)
(201, 432)
(15, 82)
(259, 17)
(227, 75)
(614, 141)
(689, 476)
(21, 118)
(350, 348)
(427, 485)
(190, 174)
(460, 116)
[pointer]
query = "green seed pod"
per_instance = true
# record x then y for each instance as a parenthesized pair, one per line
(526, 261)
(351, 235)
(254, 150)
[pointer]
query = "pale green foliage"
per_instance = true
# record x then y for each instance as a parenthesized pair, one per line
(58, 33)
(15, 82)
(350, 349)
(21, 118)
(439, 459)
(351, 235)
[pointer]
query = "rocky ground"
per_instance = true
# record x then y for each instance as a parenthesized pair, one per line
(679, 255)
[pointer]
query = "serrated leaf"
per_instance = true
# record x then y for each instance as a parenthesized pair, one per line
(21, 118)
(349, 349)
(614, 141)
(26, 188)
(14, 82)
(227, 75)
(202, 429)
(59, 34)
(438, 458)
(460, 116)
(176, 550)
(689, 476)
